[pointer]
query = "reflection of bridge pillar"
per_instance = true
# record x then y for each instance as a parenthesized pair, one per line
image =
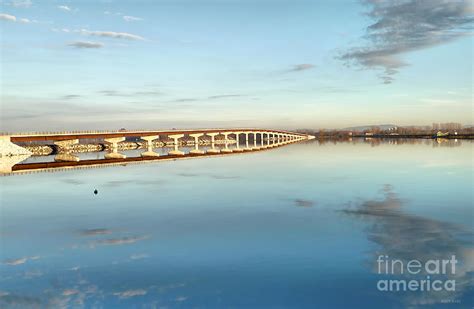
(8, 149)
(176, 151)
(7, 162)
(238, 149)
(66, 157)
(213, 143)
(113, 141)
(196, 149)
(226, 149)
(255, 147)
(247, 148)
(149, 143)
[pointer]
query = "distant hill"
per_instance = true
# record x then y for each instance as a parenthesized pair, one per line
(368, 127)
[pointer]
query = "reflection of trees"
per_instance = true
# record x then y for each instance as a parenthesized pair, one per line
(408, 237)
(377, 141)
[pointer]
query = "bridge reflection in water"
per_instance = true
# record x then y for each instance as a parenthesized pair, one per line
(12, 155)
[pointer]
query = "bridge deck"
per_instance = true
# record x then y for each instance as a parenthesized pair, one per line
(60, 136)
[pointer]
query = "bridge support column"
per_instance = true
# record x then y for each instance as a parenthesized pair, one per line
(261, 139)
(67, 143)
(213, 143)
(226, 149)
(196, 149)
(176, 151)
(114, 154)
(8, 149)
(149, 143)
(113, 141)
(255, 147)
(247, 148)
(238, 149)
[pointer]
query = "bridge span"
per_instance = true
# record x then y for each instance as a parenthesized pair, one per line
(13, 147)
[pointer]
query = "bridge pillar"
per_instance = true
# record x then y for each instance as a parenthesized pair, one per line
(247, 148)
(176, 151)
(255, 147)
(67, 143)
(261, 139)
(213, 143)
(226, 149)
(238, 149)
(196, 149)
(149, 143)
(113, 141)
(268, 139)
(8, 149)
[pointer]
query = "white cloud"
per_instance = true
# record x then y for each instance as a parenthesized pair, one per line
(64, 8)
(7, 17)
(21, 3)
(302, 67)
(112, 34)
(112, 13)
(25, 21)
(86, 44)
(401, 27)
(131, 18)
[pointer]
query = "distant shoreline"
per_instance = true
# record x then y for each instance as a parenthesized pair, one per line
(388, 136)
(424, 136)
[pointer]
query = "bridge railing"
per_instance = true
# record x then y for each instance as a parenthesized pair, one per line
(85, 132)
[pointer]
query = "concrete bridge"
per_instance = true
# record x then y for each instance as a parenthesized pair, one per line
(11, 151)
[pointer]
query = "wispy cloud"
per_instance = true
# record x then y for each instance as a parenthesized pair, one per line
(7, 17)
(404, 26)
(64, 8)
(86, 44)
(116, 93)
(302, 67)
(112, 13)
(113, 34)
(131, 18)
(225, 96)
(185, 100)
(12, 18)
(70, 97)
(21, 3)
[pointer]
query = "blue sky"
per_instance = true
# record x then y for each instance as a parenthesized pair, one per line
(281, 64)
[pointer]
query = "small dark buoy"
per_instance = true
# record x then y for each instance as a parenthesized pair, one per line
(95, 191)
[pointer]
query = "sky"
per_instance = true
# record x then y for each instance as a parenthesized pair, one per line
(283, 64)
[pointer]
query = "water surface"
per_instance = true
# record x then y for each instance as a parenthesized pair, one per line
(297, 226)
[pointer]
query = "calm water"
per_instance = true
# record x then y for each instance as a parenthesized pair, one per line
(297, 226)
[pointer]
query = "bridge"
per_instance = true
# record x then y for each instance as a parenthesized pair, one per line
(13, 149)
